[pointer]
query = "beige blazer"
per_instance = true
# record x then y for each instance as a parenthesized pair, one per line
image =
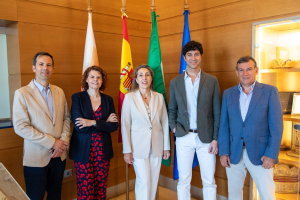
(139, 133)
(33, 122)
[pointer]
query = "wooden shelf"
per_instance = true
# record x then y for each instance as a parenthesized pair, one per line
(293, 118)
(287, 159)
(287, 196)
(279, 70)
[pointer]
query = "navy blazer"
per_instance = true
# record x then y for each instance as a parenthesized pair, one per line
(81, 138)
(262, 129)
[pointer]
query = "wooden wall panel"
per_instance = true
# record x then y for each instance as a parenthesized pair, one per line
(221, 51)
(9, 139)
(169, 9)
(226, 79)
(38, 13)
(67, 47)
(219, 16)
(271, 8)
(8, 10)
(69, 190)
(139, 10)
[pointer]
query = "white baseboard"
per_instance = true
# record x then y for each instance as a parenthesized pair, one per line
(195, 191)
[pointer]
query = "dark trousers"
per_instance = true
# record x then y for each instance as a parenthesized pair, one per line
(38, 180)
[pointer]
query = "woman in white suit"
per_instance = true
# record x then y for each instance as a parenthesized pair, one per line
(145, 132)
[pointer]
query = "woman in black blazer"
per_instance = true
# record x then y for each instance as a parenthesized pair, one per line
(94, 118)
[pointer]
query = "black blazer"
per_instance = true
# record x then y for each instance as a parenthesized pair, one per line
(81, 138)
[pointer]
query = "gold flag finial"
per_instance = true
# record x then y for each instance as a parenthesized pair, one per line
(153, 6)
(89, 8)
(123, 9)
(186, 5)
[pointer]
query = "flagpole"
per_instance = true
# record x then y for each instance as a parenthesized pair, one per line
(153, 6)
(157, 190)
(186, 5)
(123, 10)
(89, 8)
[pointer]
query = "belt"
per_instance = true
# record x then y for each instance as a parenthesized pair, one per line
(193, 131)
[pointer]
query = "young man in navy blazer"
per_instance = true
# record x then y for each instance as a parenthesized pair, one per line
(250, 133)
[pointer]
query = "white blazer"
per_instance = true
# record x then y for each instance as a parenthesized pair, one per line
(139, 133)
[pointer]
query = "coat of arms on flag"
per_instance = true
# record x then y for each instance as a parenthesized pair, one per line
(126, 78)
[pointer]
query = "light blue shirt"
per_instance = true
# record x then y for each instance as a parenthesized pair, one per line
(192, 97)
(46, 94)
(245, 100)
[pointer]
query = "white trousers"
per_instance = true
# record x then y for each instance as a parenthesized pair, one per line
(262, 177)
(185, 150)
(147, 174)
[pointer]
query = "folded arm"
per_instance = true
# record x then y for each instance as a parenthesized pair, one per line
(83, 125)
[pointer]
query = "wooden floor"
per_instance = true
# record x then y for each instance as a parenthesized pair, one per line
(164, 194)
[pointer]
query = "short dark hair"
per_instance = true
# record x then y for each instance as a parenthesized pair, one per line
(42, 53)
(86, 73)
(192, 46)
(135, 86)
(245, 59)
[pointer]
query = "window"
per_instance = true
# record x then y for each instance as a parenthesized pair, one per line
(10, 78)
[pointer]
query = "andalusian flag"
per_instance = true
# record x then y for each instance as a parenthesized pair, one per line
(126, 71)
(90, 52)
(154, 61)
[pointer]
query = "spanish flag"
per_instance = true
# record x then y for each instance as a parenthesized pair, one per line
(125, 72)
(90, 52)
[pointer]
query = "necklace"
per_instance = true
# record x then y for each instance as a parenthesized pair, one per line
(144, 97)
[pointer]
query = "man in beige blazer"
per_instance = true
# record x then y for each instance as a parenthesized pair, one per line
(41, 117)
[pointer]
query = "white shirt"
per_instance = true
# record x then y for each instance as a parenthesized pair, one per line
(192, 97)
(245, 100)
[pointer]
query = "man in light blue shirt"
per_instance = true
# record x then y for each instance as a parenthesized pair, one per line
(46, 94)
(41, 117)
(251, 127)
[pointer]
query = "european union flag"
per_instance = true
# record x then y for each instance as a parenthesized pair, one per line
(186, 38)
